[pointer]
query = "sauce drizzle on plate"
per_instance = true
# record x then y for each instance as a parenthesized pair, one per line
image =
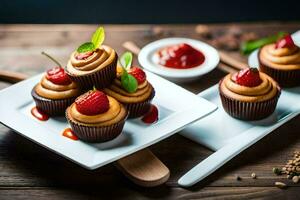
(39, 114)
(68, 133)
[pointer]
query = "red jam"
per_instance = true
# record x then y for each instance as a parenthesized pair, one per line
(69, 134)
(39, 114)
(181, 56)
(151, 116)
(84, 56)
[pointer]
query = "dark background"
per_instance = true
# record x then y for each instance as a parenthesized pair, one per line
(150, 11)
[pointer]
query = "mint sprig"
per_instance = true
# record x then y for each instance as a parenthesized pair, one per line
(85, 47)
(128, 82)
(96, 41)
(126, 60)
(98, 37)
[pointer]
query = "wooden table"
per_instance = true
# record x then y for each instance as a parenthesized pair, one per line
(28, 171)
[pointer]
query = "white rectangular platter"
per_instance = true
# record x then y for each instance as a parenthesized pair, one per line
(177, 109)
(219, 129)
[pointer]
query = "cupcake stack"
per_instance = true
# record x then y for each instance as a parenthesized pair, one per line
(93, 93)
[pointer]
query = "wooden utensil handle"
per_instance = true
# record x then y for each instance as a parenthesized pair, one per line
(12, 77)
(131, 46)
(225, 58)
(144, 169)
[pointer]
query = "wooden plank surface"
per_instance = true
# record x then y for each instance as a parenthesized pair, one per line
(28, 171)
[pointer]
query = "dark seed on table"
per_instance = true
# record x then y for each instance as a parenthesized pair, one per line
(276, 171)
(237, 177)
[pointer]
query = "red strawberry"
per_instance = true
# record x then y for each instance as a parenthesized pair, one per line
(92, 102)
(151, 116)
(285, 42)
(57, 75)
(138, 74)
(248, 77)
(83, 56)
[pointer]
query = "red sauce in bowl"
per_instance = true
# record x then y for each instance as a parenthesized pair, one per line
(180, 56)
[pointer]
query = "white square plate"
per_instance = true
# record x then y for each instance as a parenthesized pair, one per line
(226, 129)
(177, 109)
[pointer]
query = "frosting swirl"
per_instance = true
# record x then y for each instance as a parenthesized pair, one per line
(115, 113)
(47, 89)
(100, 58)
(142, 93)
(280, 58)
(265, 91)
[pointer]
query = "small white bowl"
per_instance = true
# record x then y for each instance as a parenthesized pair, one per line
(149, 60)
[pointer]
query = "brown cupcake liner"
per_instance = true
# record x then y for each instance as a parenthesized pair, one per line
(50, 106)
(139, 109)
(100, 79)
(285, 78)
(249, 110)
(96, 134)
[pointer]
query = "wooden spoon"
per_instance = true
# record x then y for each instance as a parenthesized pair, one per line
(142, 167)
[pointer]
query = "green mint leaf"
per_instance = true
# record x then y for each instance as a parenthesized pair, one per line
(98, 37)
(85, 47)
(129, 83)
(126, 60)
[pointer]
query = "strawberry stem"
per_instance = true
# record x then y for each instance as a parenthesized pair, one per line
(51, 58)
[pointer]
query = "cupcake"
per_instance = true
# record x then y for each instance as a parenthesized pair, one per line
(131, 88)
(55, 92)
(281, 61)
(249, 94)
(93, 64)
(96, 117)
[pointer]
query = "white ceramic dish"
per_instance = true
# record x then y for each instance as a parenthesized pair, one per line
(177, 108)
(149, 59)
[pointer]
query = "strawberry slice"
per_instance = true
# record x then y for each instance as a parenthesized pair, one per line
(93, 102)
(151, 116)
(285, 42)
(247, 77)
(57, 75)
(138, 74)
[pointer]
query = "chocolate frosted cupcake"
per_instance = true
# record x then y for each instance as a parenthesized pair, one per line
(96, 117)
(249, 94)
(55, 92)
(93, 64)
(281, 61)
(132, 89)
